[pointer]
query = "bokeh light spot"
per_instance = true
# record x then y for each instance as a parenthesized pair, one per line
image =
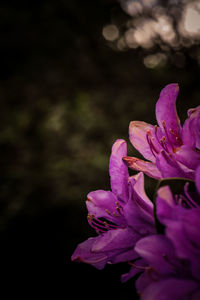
(110, 32)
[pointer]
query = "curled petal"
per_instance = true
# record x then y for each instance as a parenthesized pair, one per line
(191, 128)
(150, 169)
(166, 113)
(138, 136)
(138, 212)
(139, 194)
(118, 170)
(165, 193)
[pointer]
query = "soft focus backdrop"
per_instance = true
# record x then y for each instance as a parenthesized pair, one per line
(73, 75)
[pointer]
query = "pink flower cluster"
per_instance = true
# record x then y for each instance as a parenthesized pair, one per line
(128, 223)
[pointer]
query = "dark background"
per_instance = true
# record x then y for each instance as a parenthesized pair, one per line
(66, 95)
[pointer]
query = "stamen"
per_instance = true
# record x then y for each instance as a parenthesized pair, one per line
(150, 142)
(99, 225)
(94, 225)
(178, 199)
(107, 211)
(184, 201)
(177, 137)
(138, 267)
(150, 270)
(188, 195)
(118, 208)
(165, 129)
(163, 144)
(115, 215)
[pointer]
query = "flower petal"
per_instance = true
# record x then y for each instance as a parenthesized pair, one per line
(188, 156)
(124, 256)
(171, 288)
(138, 136)
(191, 131)
(196, 295)
(164, 203)
(197, 178)
(169, 167)
(101, 203)
(144, 280)
(118, 170)
(138, 212)
(139, 196)
(150, 169)
(115, 239)
(184, 232)
(157, 251)
(84, 254)
(166, 112)
(133, 270)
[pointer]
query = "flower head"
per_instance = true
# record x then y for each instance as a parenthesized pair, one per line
(171, 261)
(172, 150)
(120, 217)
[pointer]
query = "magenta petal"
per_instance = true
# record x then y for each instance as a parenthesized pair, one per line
(139, 193)
(118, 170)
(124, 256)
(101, 203)
(116, 239)
(169, 167)
(138, 136)
(166, 113)
(143, 281)
(166, 194)
(174, 289)
(84, 254)
(153, 249)
(164, 203)
(191, 128)
(150, 169)
(133, 271)
(183, 230)
(138, 212)
(197, 178)
(188, 156)
(196, 295)
(191, 221)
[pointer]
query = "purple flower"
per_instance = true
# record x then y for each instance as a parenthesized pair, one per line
(120, 217)
(171, 262)
(172, 150)
(167, 274)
